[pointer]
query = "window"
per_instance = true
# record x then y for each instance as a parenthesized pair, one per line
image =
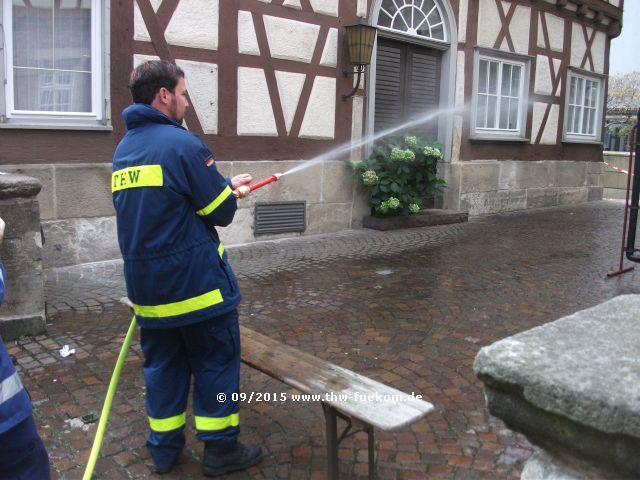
(583, 110)
(500, 95)
(422, 19)
(407, 86)
(54, 61)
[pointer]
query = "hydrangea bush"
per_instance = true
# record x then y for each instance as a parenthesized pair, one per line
(400, 172)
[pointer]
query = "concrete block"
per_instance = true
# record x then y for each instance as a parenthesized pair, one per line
(240, 230)
(595, 193)
(571, 196)
(327, 217)
(542, 197)
(598, 167)
(546, 466)
(303, 185)
(570, 174)
(518, 175)
(479, 177)
(44, 173)
(561, 386)
(21, 252)
(337, 187)
(613, 179)
(97, 239)
(614, 194)
(480, 203)
(595, 180)
(83, 190)
(59, 247)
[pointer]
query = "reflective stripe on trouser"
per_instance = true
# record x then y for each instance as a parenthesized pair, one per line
(210, 351)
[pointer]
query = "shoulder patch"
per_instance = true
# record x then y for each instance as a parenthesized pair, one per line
(209, 161)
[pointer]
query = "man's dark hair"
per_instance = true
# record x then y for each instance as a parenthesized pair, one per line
(148, 78)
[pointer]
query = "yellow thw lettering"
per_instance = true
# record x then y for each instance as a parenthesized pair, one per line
(134, 175)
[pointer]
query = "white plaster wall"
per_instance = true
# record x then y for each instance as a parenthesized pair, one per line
(140, 31)
(556, 65)
(362, 8)
(295, 4)
(194, 24)
(598, 52)
(488, 23)
(543, 85)
(202, 84)
(462, 20)
(578, 46)
(138, 59)
(519, 29)
(247, 39)
(325, 7)
(550, 133)
(329, 56)
(320, 118)
(255, 113)
(290, 39)
(289, 87)
(555, 28)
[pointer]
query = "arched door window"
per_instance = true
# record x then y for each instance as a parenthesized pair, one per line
(421, 18)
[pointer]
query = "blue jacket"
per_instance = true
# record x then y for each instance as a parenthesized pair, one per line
(169, 196)
(15, 405)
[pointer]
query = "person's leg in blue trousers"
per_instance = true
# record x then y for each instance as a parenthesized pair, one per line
(213, 352)
(167, 377)
(22, 453)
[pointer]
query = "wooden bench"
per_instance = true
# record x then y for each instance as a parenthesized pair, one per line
(362, 402)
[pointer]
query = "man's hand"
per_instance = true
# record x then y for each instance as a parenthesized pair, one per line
(239, 180)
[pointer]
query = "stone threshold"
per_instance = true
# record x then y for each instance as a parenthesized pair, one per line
(424, 218)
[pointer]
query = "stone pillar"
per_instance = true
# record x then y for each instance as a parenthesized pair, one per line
(573, 388)
(22, 312)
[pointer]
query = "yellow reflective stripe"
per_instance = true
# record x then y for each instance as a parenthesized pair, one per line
(133, 177)
(167, 424)
(178, 308)
(217, 423)
(216, 203)
(220, 250)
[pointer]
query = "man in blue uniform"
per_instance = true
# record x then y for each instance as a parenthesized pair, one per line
(169, 197)
(22, 453)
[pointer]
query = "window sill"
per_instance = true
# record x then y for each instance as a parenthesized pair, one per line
(583, 141)
(499, 138)
(55, 126)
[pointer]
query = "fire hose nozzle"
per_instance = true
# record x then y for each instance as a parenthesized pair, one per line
(244, 190)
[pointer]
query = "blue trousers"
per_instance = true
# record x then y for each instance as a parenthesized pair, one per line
(22, 453)
(208, 352)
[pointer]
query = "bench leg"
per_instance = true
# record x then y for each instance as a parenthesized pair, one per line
(372, 466)
(332, 441)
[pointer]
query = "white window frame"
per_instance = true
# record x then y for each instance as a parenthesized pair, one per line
(581, 137)
(521, 61)
(99, 118)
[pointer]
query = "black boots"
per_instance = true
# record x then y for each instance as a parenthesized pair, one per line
(218, 462)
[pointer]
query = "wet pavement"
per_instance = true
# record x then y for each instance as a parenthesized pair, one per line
(409, 308)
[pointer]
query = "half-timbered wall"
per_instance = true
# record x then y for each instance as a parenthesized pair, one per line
(265, 83)
(546, 165)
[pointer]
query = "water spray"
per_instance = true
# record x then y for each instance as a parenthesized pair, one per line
(244, 190)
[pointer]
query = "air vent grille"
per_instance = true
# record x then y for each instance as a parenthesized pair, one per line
(279, 217)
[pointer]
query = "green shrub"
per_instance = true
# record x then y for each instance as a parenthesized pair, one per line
(399, 173)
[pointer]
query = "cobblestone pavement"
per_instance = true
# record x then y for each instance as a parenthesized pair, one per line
(409, 308)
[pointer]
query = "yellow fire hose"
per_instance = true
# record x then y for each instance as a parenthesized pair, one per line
(106, 408)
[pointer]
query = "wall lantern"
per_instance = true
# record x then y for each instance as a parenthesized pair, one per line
(360, 40)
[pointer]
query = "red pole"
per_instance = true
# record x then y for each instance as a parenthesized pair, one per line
(622, 270)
